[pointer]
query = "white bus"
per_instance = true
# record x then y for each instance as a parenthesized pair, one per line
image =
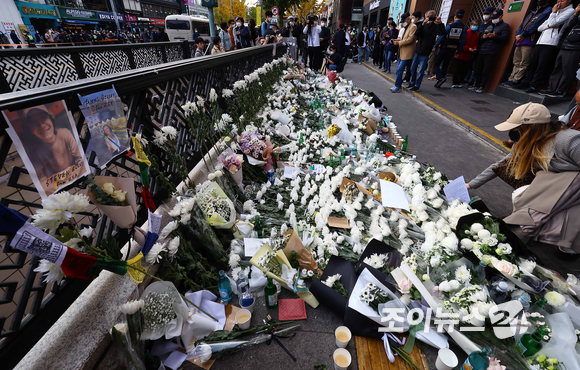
(181, 27)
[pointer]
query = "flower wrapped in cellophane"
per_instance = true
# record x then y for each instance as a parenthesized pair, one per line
(164, 311)
(216, 206)
(115, 197)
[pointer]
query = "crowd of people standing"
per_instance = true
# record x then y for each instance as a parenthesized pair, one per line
(81, 37)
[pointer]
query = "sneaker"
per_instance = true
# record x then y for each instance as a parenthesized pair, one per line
(530, 90)
(456, 86)
(410, 85)
(509, 83)
(520, 86)
(432, 78)
(472, 88)
(395, 89)
(544, 92)
(479, 90)
(414, 88)
(557, 95)
(440, 82)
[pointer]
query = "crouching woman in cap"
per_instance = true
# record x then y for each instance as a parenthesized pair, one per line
(547, 157)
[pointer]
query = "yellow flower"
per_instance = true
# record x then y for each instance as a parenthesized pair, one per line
(541, 358)
(120, 195)
(108, 188)
(550, 367)
(553, 361)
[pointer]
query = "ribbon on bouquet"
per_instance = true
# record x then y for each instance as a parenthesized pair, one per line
(413, 329)
(387, 345)
(538, 285)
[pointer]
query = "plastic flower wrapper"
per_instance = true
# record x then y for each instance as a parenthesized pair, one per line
(164, 311)
(122, 340)
(134, 321)
(233, 163)
(217, 207)
(277, 266)
(123, 216)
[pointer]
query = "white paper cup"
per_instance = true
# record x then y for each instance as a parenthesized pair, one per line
(246, 324)
(250, 307)
(446, 359)
(342, 352)
(342, 329)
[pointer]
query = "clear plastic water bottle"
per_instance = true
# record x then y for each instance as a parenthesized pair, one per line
(225, 287)
(524, 299)
(478, 360)
(499, 292)
(243, 285)
(480, 269)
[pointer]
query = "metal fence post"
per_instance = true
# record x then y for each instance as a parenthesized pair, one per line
(185, 48)
(76, 58)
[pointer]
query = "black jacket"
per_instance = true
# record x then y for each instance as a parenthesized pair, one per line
(287, 33)
(492, 46)
(339, 41)
(325, 35)
(427, 35)
(572, 40)
(362, 39)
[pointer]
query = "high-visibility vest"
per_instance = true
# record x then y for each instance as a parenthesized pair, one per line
(29, 38)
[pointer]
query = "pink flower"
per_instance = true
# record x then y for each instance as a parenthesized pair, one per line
(507, 267)
(494, 364)
(405, 286)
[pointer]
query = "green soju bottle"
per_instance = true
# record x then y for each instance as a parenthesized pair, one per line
(293, 261)
(530, 344)
(271, 294)
(478, 360)
(331, 162)
(301, 140)
(258, 227)
(404, 145)
(342, 157)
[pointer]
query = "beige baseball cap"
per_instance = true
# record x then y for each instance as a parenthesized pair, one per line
(526, 114)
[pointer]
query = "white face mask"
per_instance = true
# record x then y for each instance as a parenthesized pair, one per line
(412, 20)
(291, 24)
(239, 24)
(331, 52)
(485, 17)
(404, 24)
(322, 24)
(495, 21)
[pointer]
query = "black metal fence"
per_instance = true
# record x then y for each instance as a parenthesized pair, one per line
(24, 69)
(153, 97)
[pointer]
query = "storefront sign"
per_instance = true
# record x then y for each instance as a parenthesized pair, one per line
(109, 17)
(397, 9)
(77, 13)
(375, 4)
(130, 18)
(142, 19)
(515, 7)
(357, 9)
(157, 22)
(36, 10)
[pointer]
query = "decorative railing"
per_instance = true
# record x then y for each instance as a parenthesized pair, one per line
(24, 69)
(153, 97)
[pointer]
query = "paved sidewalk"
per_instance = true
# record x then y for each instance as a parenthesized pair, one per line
(476, 112)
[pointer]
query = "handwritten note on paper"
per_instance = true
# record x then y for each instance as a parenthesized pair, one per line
(393, 195)
(289, 171)
(456, 189)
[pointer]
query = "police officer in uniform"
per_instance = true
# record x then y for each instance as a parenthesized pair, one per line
(451, 42)
(29, 39)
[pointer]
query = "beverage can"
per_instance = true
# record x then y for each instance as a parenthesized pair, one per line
(271, 176)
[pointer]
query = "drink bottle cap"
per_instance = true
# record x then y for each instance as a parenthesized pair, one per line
(484, 263)
(525, 297)
(222, 273)
(486, 350)
(293, 254)
(503, 286)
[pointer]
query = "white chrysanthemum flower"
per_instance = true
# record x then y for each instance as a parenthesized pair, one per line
(86, 232)
(476, 227)
(555, 299)
(173, 246)
(227, 93)
(234, 260)
(58, 209)
(169, 131)
(131, 307)
(462, 274)
(527, 265)
(160, 139)
(168, 229)
(52, 270)
(212, 96)
(154, 254)
(139, 137)
(467, 244)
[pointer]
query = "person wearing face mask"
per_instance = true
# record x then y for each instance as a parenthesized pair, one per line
(265, 25)
(340, 39)
(377, 47)
(464, 57)
(416, 18)
(324, 35)
(451, 43)
(406, 44)
(291, 30)
(426, 34)
(334, 60)
(363, 45)
(195, 34)
(546, 49)
(391, 49)
(491, 40)
(225, 36)
(242, 34)
(348, 37)
(470, 79)
(526, 36)
(5, 41)
(232, 24)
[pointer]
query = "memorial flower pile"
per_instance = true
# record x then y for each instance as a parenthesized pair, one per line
(373, 296)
